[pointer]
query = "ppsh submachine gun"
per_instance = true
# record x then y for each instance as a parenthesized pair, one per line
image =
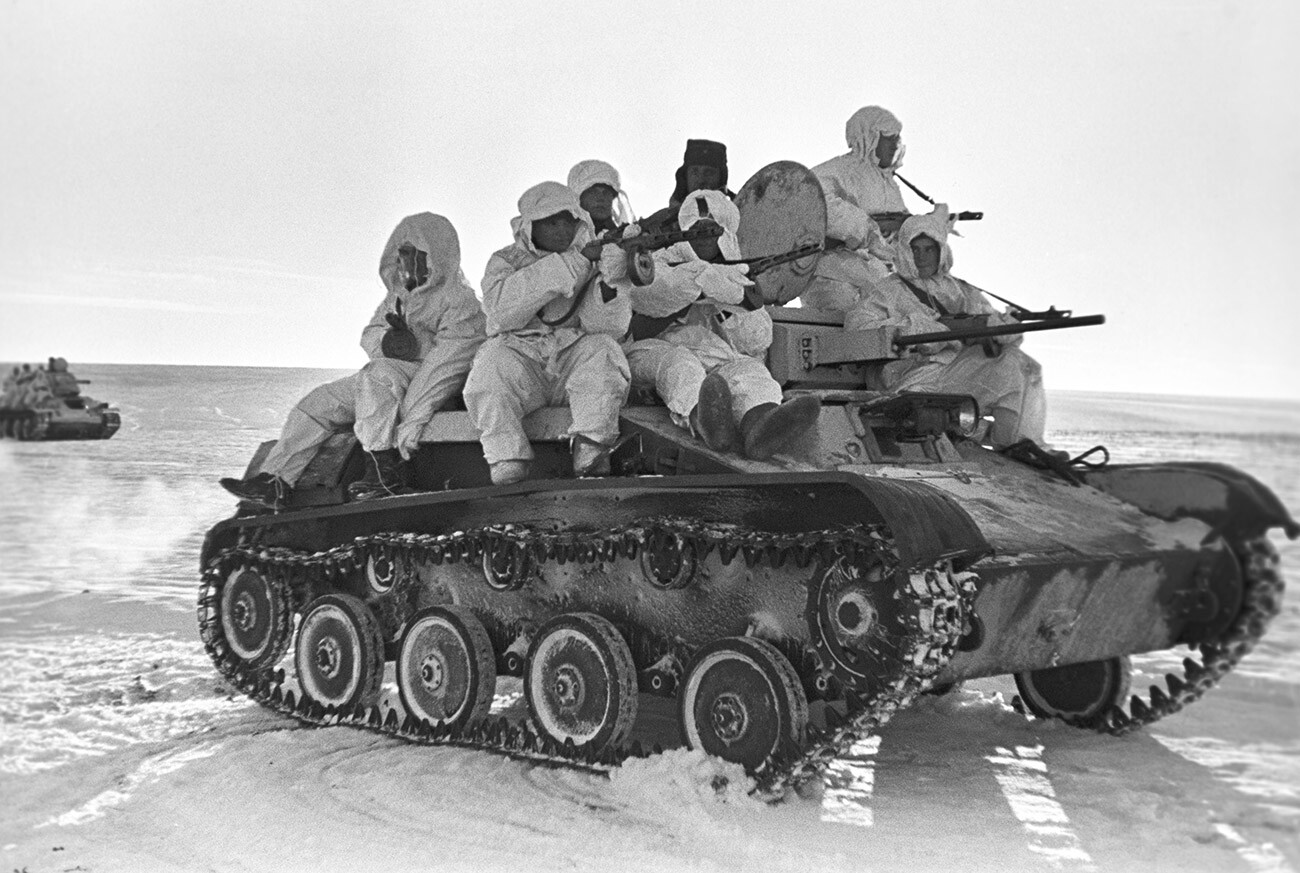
(641, 247)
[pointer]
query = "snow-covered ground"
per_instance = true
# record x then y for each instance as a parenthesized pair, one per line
(122, 750)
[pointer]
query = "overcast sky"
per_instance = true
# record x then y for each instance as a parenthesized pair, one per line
(212, 183)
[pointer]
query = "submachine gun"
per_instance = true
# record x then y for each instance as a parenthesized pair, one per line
(647, 326)
(640, 249)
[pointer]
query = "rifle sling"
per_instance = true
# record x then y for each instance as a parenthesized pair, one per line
(927, 300)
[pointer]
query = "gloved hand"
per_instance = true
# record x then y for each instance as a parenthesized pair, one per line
(408, 438)
(724, 283)
(747, 331)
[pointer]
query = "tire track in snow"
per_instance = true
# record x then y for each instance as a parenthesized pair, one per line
(1023, 777)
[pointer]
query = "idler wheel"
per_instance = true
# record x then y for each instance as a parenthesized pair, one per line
(446, 671)
(339, 653)
(1076, 692)
(666, 561)
(742, 701)
(256, 618)
(580, 682)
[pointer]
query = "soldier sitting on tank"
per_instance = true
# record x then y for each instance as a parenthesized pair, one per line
(858, 185)
(553, 329)
(1007, 383)
(704, 167)
(421, 341)
(700, 344)
(600, 193)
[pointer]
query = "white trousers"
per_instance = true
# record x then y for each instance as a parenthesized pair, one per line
(675, 363)
(515, 375)
(1008, 387)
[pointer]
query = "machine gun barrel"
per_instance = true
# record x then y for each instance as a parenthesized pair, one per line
(972, 333)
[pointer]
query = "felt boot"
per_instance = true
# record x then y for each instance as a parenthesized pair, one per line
(768, 428)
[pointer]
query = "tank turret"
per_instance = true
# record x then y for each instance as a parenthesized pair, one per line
(44, 402)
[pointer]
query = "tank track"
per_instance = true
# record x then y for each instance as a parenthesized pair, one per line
(1261, 602)
(940, 601)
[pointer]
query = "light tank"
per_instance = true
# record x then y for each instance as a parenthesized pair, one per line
(771, 613)
(46, 403)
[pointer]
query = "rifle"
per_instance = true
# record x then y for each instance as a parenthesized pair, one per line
(960, 216)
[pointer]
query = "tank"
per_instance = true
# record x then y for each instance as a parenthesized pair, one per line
(45, 402)
(771, 613)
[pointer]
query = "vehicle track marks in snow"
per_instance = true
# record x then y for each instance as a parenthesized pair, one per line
(1023, 777)
(850, 782)
(1262, 857)
(150, 770)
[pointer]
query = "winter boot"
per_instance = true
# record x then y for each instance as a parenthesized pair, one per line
(264, 489)
(590, 458)
(386, 476)
(712, 418)
(768, 428)
(508, 472)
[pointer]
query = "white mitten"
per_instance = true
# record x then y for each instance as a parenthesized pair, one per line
(724, 283)
(613, 263)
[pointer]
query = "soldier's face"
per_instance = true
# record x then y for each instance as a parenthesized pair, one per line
(412, 267)
(886, 148)
(702, 178)
(598, 200)
(706, 249)
(555, 233)
(925, 253)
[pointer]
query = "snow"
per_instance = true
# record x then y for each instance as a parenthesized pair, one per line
(122, 750)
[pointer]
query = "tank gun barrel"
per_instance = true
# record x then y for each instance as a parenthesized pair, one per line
(973, 333)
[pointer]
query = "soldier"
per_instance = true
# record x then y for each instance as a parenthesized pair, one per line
(858, 185)
(553, 329)
(421, 341)
(596, 185)
(702, 350)
(1008, 385)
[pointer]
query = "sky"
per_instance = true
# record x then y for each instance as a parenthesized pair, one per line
(212, 183)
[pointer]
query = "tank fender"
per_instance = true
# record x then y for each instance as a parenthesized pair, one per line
(928, 525)
(1236, 505)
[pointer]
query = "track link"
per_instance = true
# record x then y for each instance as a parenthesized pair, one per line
(938, 599)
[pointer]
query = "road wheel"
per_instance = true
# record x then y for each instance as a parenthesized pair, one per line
(446, 670)
(339, 653)
(256, 617)
(742, 701)
(580, 681)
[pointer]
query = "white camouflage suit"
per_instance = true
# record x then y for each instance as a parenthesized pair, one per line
(856, 186)
(389, 402)
(527, 364)
(714, 334)
(1009, 387)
